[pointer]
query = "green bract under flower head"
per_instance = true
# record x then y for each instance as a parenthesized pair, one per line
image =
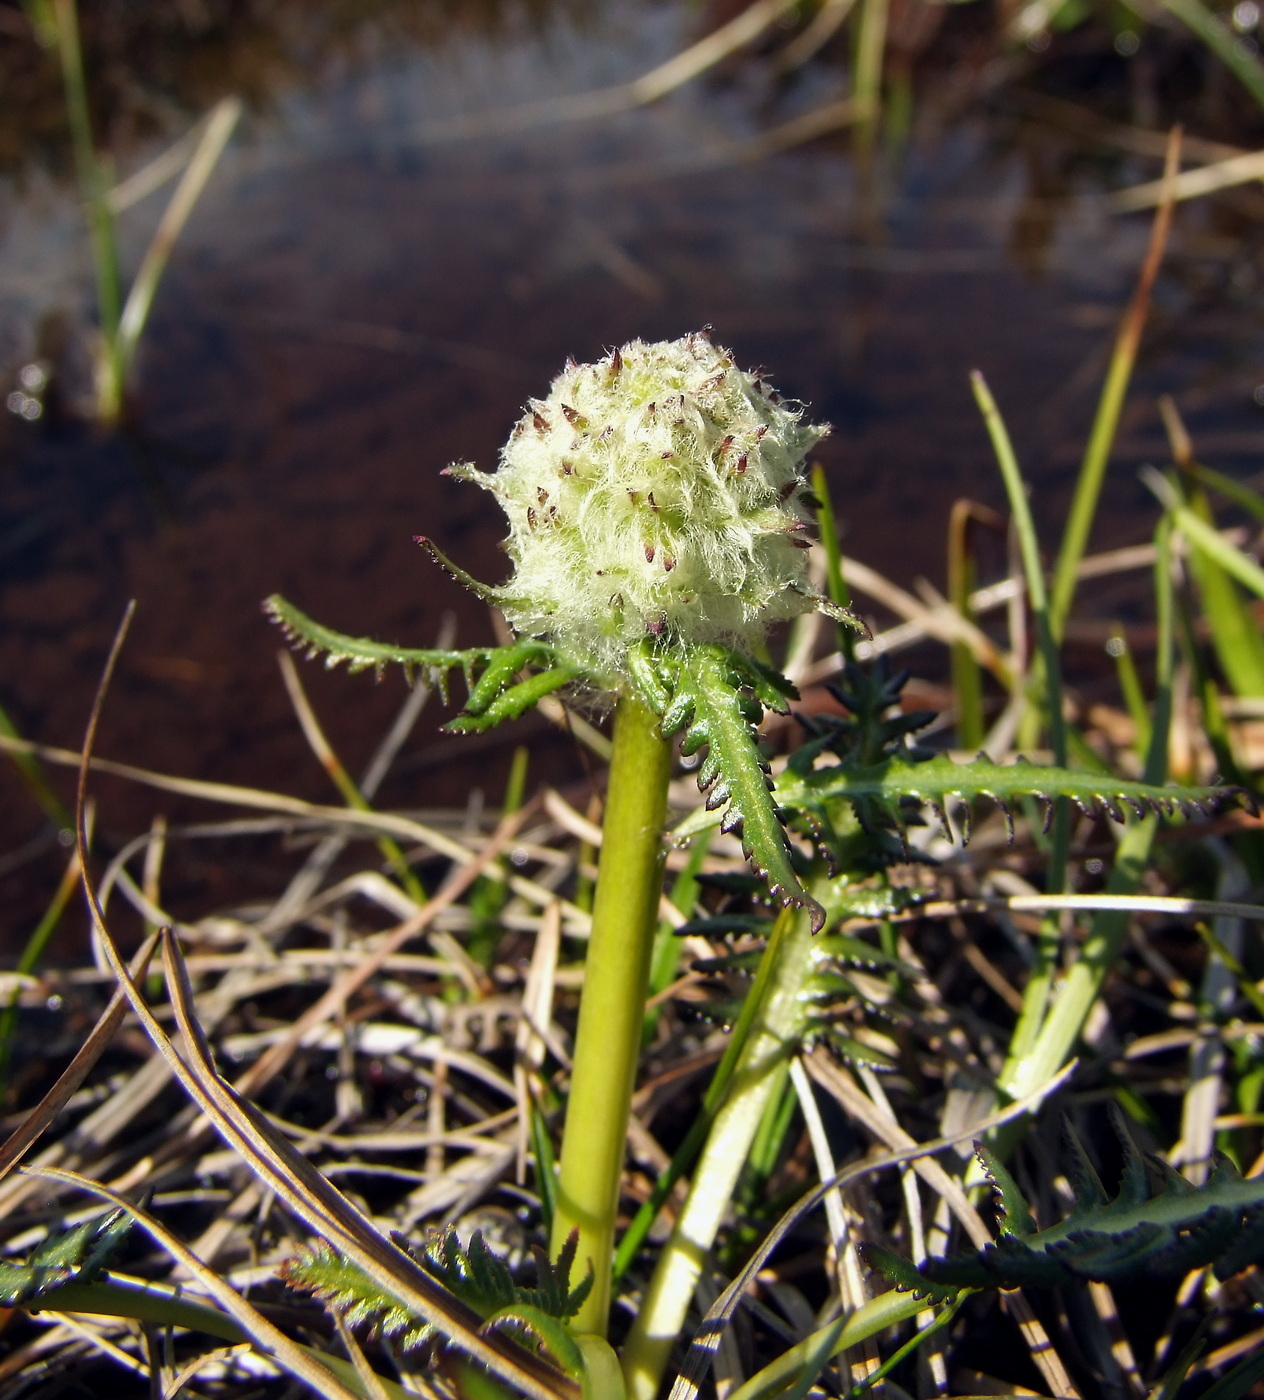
(658, 493)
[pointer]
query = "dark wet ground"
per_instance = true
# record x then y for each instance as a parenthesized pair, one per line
(356, 304)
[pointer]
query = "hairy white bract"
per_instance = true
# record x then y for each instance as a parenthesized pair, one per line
(657, 493)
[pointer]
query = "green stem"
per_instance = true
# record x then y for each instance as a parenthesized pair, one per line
(786, 965)
(101, 228)
(612, 1012)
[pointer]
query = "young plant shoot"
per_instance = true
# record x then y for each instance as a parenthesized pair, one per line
(658, 526)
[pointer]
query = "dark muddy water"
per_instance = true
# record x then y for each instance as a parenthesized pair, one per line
(361, 299)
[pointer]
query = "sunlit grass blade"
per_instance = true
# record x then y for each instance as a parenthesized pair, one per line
(835, 583)
(1227, 46)
(94, 182)
(967, 676)
(1206, 538)
(867, 67)
(33, 776)
(1042, 1055)
(1130, 687)
(341, 779)
(215, 136)
(1106, 422)
(1235, 632)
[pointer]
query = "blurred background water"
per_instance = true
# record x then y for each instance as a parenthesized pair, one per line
(392, 255)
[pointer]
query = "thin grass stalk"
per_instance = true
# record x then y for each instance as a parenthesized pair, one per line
(1130, 688)
(1083, 983)
(668, 947)
(1235, 632)
(1040, 980)
(31, 954)
(32, 775)
(102, 230)
(297, 1361)
(785, 967)
(1106, 421)
(1033, 572)
(215, 136)
(341, 779)
(835, 581)
(240, 1321)
(871, 43)
(1227, 46)
(612, 1009)
(967, 676)
(27, 1133)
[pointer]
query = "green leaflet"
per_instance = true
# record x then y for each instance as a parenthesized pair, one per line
(828, 991)
(363, 654)
(490, 672)
(75, 1255)
(937, 781)
(477, 1276)
(717, 698)
(347, 1289)
(1147, 1229)
(510, 703)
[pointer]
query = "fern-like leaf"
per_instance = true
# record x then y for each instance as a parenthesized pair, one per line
(718, 698)
(476, 1275)
(939, 782)
(314, 639)
(492, 674)
(1165, 1228)
(75, 1255)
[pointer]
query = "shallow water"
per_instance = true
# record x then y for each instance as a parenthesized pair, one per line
(360, 299)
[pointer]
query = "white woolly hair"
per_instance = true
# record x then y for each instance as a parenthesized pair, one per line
(656, 493)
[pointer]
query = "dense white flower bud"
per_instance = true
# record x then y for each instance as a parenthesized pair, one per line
(658, 492)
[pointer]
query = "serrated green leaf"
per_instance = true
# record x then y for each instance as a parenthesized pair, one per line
(1016, 1217)
(904, 1274)
(363, 653)
(78, 1254)
(512, 703)
(347, 1289)
(709, 702)
(1176, 1228)
(939, 780)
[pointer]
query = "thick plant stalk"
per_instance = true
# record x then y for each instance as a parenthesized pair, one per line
(612, 1013)
(785, 968)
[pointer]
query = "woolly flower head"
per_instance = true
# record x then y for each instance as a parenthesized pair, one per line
(656, 493)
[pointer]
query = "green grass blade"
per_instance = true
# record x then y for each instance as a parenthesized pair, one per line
(1130, 687)
(967, 675)
(1051, 665)
(1235, 633)
(1227, 46)
(1241, 495)
(94, 182)
(1211, 543)
(32, 774)
(1106, 422)
(835, 583)
(215, 136)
